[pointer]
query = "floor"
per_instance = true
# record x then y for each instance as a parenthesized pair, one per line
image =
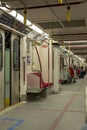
(62, 111)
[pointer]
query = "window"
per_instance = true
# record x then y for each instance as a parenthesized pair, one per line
(1, 53)
(16, 56)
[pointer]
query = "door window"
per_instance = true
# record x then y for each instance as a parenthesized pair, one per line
(16, 57)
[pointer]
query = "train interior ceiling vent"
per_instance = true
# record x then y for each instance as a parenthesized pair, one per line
(13, 23)
(56, 24)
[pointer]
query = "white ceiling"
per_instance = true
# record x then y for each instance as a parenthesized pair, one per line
(51, 17)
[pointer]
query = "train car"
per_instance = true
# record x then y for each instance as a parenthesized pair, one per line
(27, 66)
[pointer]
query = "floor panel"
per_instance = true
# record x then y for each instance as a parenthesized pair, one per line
(63, 111)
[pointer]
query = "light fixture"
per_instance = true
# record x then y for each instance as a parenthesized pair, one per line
(35, 28)
(28, 23)
(13, 13)
(4, 8)
(20, 18)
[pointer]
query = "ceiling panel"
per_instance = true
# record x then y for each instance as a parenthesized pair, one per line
(14, 3)
(49, 25)
(74, 23)
(34, 2)
(79, 51)
(37, 15)
(68, 38)
(76, 44)
(78, 48)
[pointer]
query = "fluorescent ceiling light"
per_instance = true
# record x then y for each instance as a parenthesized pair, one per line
(20, 18)
(35, 28)
(46, 34)
(28, 23)
(4, 8)
(13, 13)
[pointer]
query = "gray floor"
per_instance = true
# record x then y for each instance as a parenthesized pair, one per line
(63, 111)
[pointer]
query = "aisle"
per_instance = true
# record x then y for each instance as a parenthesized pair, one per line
(63, 111)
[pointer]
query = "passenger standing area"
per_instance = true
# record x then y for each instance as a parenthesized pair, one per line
(56, 112)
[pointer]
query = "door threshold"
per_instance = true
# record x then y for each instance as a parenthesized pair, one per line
(11, 107)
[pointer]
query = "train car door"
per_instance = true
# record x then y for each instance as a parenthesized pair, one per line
(2, 69)
(7, 69)
(15, 69)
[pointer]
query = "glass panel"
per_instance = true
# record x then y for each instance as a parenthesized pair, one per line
(7, 77)
(35, 60)
(1, 53)
(16, 58)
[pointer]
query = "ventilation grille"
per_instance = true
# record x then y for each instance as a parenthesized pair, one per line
(74, 23)
(49, 25)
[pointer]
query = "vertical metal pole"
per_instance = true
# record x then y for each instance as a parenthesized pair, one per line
(50, 63)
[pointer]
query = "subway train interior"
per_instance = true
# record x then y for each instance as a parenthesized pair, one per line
(43, 65)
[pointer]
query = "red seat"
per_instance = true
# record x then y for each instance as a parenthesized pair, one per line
(71, 70)
(60, 81)
(42, 84)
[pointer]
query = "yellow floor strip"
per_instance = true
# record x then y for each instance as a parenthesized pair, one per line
(11, 107)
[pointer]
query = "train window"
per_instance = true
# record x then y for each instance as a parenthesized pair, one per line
(1, 53)
(16, 58)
